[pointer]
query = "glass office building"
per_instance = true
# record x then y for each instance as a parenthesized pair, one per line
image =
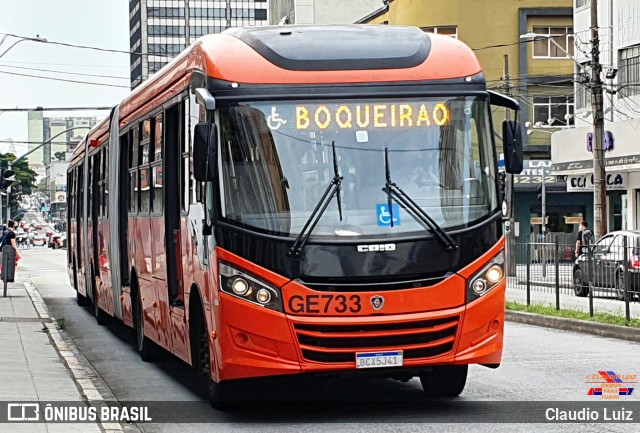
(163, 28)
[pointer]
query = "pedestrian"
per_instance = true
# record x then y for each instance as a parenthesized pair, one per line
(583, 239)
(9, 238)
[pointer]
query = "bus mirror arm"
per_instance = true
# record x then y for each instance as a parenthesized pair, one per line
(204, 98)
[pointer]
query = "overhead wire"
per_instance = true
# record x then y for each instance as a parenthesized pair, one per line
(66, 72)
(86, 47)
(64, 80)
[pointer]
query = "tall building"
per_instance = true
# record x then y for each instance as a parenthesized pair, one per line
(318, 11)
(163, 28)
(42, 128)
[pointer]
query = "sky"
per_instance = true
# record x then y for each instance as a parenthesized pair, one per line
(96, 23)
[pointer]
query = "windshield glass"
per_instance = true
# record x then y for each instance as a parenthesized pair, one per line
(276, 161)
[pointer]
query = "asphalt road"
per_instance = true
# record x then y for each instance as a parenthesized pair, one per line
(538, 365)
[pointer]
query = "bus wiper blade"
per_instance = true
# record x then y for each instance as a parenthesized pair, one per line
(333, 190)
(394, 192)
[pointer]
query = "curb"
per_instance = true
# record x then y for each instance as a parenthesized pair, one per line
(575, 325)
(66, 349)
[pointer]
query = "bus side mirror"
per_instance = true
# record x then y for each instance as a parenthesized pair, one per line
(205, 143)
(512, 140)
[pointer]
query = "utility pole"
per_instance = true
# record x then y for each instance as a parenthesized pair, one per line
(508, 184)
(544, 207)
(599, 173)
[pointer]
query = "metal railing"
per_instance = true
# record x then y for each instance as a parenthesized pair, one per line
(608, 276)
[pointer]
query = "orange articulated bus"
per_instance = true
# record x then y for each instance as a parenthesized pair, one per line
(293, 200)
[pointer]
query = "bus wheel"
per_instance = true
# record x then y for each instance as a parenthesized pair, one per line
(145, 348)
(217, 392)
(445, 381)
(82, 300)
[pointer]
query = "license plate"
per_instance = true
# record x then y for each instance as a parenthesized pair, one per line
(379, 359)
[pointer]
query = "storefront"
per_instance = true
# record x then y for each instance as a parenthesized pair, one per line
(572, 158)
(564, 210)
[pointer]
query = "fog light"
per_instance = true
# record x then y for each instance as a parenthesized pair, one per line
(494, 274)
(479, 286)
(263, 296)
(240, 286)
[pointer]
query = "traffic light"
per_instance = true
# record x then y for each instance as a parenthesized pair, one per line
(540, 193)
(8, 177)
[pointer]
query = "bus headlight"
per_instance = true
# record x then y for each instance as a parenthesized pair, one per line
(248, 287)
(494, 274)
(486, 279)
(239, 286)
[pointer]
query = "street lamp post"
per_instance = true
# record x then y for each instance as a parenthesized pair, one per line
(36, 39)
(11, 163)
(599, 171)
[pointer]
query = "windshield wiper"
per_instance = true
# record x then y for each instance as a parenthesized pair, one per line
(394, 192)
(333, 190)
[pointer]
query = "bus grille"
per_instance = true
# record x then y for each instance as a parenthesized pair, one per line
(340, 343)
(378, 285)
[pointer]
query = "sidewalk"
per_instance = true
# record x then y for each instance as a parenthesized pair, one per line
(573, 302)
(31, 366)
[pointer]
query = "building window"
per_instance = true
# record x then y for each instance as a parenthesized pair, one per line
(553, 111)
(583, 94)
(629, 72)
(443, 30)
(582, 3)
(261, 14)
(543, 47)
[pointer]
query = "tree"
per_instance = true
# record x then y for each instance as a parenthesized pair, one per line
(25, 178)
(59, 156)
(42, 185)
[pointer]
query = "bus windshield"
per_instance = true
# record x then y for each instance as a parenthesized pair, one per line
(276, 161)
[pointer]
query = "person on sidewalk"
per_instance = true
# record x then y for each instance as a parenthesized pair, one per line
(10, 239)
(584, 238)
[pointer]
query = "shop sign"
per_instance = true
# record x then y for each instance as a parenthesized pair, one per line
(538, 220)
(532, 174)
(573, 219)
(584, 182)
(608, 141)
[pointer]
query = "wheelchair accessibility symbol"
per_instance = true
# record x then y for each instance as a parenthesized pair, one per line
(384, 216)
(274, 120)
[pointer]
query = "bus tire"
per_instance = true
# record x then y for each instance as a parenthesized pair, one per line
(216, 392)
(143, 344)
(82, 300)
(445, 381)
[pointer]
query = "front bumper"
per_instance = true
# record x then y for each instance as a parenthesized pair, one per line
(255, 341)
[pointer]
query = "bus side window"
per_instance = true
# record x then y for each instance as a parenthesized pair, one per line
(145, 171)
(134, 143)
(156, 167)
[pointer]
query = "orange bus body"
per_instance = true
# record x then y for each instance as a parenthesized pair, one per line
(247, 340)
